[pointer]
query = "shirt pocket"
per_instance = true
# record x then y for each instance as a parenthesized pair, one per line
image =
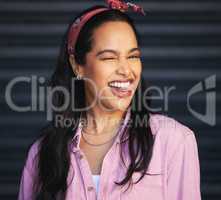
(149, 187)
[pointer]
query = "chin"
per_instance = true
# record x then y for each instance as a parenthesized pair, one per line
(120, 105)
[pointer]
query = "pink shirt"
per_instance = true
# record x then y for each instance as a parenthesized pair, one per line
(173, 173)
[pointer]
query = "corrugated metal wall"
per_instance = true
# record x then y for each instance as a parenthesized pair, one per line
(181, 47)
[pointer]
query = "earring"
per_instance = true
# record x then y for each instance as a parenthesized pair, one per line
(79, 77)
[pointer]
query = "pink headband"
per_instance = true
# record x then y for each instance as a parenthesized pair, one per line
(79, 23)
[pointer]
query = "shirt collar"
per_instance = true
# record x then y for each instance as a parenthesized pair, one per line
(75, 142)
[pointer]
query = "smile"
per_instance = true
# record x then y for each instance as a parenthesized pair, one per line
(121, 89)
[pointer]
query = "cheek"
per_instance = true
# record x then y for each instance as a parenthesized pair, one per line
(99, 80)
(138, 67)
(100, 75)
(137, 70)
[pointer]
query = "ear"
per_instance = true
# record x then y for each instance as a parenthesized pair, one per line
(77, 69)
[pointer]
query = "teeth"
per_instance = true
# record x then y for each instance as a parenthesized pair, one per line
(120, 84)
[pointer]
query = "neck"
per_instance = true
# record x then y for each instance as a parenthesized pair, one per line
(100, 121)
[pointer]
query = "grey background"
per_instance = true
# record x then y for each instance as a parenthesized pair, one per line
(181, 46)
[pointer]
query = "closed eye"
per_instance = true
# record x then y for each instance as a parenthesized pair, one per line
(134, 57)
(130, 57)
(107, 58)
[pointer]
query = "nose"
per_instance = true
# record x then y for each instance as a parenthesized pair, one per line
(124, 68)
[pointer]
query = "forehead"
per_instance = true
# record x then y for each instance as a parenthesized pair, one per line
(114, 34)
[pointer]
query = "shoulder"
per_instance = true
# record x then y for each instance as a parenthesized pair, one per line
(170, 134)
(32, 156)
(168, 126)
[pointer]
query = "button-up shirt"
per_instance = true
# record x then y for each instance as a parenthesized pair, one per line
(173, 172)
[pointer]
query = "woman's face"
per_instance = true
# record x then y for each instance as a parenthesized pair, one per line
(113, 67)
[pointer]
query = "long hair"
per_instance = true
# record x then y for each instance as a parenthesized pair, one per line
(54, 158)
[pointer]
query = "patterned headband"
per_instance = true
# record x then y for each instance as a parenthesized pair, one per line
(79, 23)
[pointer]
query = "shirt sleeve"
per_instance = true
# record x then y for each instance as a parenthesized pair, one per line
(26, 185)
(183, 179)
(28, 176)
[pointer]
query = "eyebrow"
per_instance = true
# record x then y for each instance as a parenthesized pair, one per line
(115, 52)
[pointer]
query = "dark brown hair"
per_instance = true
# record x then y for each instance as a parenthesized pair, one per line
(54, 157)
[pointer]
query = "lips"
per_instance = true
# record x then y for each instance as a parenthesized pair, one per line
(123, 80)
(121, 88)
(121, 84)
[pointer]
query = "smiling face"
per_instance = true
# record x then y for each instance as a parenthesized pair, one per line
(113, 67)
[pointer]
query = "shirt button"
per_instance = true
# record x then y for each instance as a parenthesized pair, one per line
(90, 188)
(81, 156)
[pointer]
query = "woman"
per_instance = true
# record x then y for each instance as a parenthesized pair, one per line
(116, 147)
